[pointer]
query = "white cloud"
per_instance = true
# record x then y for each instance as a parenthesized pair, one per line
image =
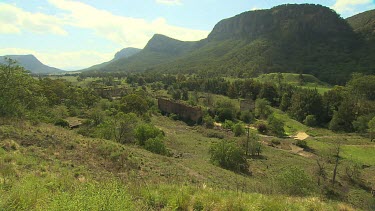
(344, 6)
(125, 31)
(14, 20)
(73, 60)
(169, 2)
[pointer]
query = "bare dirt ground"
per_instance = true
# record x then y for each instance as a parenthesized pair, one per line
(301, 136)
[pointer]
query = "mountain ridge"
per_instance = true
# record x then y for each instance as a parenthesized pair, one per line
(31, 63)
(296, 38)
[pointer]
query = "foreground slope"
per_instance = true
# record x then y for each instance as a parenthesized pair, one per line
(31, 63)
(306, 38)
(44, 167)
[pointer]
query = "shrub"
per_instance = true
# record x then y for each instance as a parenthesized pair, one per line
(225, 114)
(276, 126)
(229, 156)
(294, 181)
(302, 144)
(208, 121)
(145, 131)
(275, 141)
(62, 123)
(215, 135)
(247, 117)
(174, 117)
(156, 145)
(262, 127)
(262, 108)
(310, 121)
(238, 129)
(228, 124)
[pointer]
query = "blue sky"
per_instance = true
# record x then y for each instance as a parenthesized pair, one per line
(74, 34)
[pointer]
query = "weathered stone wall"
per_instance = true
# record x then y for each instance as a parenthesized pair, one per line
(184, 111)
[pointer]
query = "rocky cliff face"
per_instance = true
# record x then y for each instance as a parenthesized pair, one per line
(126, 53)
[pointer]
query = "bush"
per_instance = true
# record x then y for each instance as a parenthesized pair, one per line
(310, 121)
(225, 114)
(62, 123)
(208, 121)
(238, 130)
(228, 124)
(174, 117)
(215, 135)
(276, 126)
(302, 144)
(229, 156)
(145, 131)
(247, 117)
(275, 141)
(156, 145)
(262, 108)
(294, 181)
(262, 127)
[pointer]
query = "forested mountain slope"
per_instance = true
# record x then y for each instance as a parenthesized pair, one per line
(307, 38)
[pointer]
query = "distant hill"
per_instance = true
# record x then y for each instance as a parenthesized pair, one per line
(160, 49)
(306, 38)
(364, 23)
(124, 53)
(31, 63)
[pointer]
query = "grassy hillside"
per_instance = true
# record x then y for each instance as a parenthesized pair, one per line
(363, 23)
(299, 80)
(49, 168)
(126, 155)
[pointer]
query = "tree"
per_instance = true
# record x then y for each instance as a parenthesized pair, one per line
(208, 121)
(225, 110)
(371, 126)
(320, 171)
(229, 156)
(361, 123)
(310, 120)
(262, 108)
(269, 92)
(134, 103)
(19, 92)
(294, 181)
(238, 129)
(336, 155)
(343, 118)
(251, 144)
(125, 124)
(276, 126)
(247, 117)
(144, 132)
(306, 102)
(156, 145)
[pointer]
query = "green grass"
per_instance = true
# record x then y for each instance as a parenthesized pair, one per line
(291, 126)
(71, 171)
(310, 82)
(364, 155)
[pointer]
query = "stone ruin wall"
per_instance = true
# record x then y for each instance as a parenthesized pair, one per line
(184, 111)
